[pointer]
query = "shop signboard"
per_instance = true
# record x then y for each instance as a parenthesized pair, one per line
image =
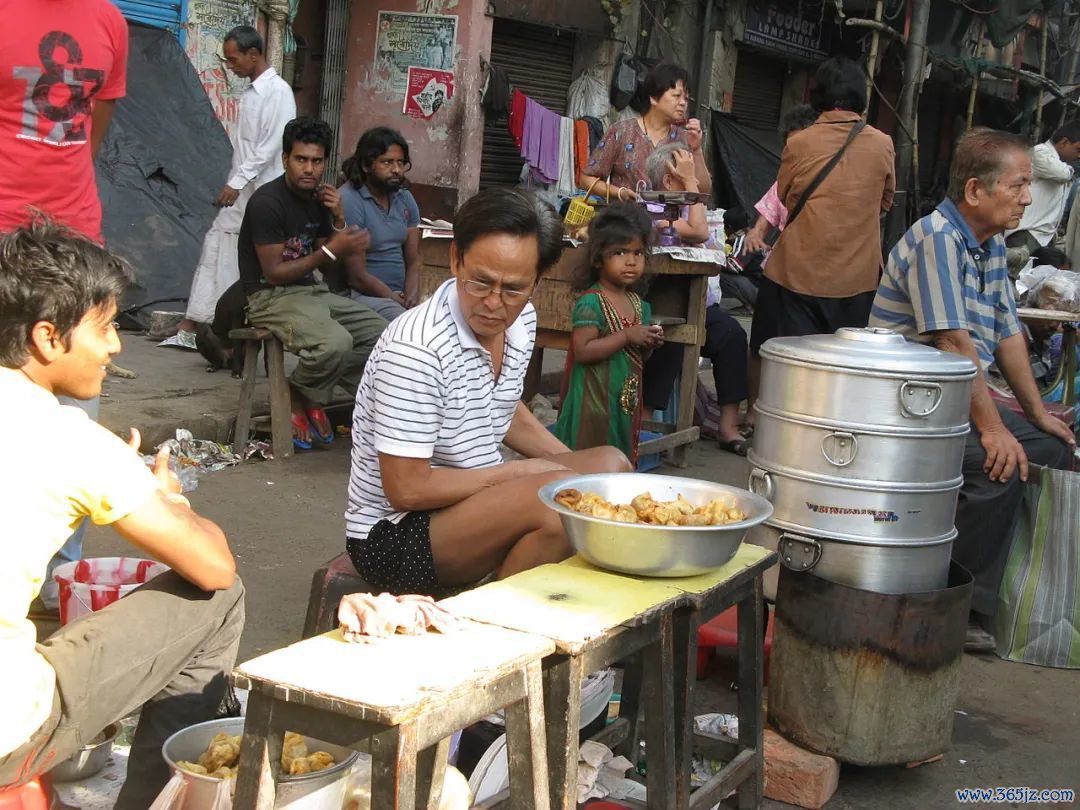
(781, 28)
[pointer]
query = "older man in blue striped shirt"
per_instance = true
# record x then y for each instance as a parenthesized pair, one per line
(946, 284)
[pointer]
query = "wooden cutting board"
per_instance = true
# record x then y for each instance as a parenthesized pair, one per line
(569, 604)
(391, 680)
(746, 556)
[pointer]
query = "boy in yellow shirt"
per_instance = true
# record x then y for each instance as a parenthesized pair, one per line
(165, 647)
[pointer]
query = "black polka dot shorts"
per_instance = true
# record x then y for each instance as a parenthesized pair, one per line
(396, 557)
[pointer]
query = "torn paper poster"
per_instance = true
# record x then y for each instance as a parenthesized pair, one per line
(428, 90)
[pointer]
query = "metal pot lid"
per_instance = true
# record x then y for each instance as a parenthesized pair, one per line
(870, 349)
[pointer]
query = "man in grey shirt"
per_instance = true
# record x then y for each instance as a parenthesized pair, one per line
(387, 276)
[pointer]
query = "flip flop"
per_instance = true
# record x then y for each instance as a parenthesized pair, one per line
(300, 422)
(321, 427)
(736, 446)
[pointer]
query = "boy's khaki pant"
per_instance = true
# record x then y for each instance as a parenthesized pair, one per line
(166, 647)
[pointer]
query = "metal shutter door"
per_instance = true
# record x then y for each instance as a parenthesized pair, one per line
(759, 90)
(157, 13)
(538, 60)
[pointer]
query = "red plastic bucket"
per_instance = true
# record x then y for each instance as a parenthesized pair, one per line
(87, 586)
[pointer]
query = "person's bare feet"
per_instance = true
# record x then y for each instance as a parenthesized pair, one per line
(186, 325)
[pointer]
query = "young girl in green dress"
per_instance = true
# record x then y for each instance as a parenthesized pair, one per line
(612, 336)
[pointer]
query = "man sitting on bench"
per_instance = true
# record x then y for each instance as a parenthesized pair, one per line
(293, 226)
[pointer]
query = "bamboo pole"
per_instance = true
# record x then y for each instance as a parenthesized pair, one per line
(914, 60)
(1036, 130)
(871, 60)
(970, 118)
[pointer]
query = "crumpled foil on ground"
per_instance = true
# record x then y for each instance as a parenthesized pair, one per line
(190, 457)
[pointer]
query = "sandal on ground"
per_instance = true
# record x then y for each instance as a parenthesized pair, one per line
(747, 431)
(322, 429)
(300, 423)
(736, 446)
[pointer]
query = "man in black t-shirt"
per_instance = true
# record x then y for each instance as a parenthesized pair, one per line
(293, 226)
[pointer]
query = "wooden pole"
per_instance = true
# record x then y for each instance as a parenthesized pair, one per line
(871, 59)
(975, 79)
(914, 60)
(1036, 130)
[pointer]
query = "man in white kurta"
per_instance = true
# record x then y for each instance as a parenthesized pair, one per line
(266, 106)
(1051, 179)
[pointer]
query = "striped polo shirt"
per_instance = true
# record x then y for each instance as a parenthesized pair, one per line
(429, 391)
(939, 277)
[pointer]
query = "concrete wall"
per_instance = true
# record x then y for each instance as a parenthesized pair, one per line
(445, 150)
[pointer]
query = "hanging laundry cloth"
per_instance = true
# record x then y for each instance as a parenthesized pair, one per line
(566, 186)
(496, 97)
(516, 121)
(581, 149)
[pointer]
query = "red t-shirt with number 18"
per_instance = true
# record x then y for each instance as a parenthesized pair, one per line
(56, 58)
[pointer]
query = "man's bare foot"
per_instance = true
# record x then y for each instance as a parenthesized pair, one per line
(186, 325)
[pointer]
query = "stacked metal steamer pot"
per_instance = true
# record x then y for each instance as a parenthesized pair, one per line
(859, 444)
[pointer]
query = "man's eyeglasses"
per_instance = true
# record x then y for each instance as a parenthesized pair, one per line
(478, 289)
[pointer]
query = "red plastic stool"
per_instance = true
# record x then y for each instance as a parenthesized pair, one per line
(31, 796)
(723, 631)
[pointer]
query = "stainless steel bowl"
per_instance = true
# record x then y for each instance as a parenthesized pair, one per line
(654, 551)
(89, 759)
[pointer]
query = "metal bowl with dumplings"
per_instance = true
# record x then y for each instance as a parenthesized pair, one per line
(654, 551)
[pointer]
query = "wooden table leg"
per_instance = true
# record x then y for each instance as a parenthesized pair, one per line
(280, 401)
(688, 378)
(247, 397)
(630, 709)
(533, 375)
(1068, 351)
(526, 745)
(431, 774)
(684, 637)
(658, 697)
(751, 652)
(562, 714)
(393, 768)
(260, 756)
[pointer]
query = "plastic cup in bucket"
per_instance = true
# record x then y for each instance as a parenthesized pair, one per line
(87, 586)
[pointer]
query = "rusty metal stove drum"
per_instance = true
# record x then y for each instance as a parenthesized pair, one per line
(868, 678)
(858, 444)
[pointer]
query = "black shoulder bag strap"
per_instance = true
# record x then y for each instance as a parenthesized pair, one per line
(774, 232)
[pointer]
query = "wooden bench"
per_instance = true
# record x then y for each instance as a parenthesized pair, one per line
(596, 618)
(401, 698)
(253, 339)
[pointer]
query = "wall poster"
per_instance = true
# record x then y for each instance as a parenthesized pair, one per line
(407, 40)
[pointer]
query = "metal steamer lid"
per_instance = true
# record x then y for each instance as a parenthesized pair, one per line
(871, 350)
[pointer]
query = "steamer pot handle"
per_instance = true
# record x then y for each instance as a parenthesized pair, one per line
(908, 390)
(798, 553)
(761, 483)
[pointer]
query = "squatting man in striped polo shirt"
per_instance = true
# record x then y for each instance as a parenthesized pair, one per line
(431, 503)
(946, 283)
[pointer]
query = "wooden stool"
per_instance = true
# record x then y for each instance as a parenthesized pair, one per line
(329, 583)
(397, 697)
(280, 400)
(594, 619)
